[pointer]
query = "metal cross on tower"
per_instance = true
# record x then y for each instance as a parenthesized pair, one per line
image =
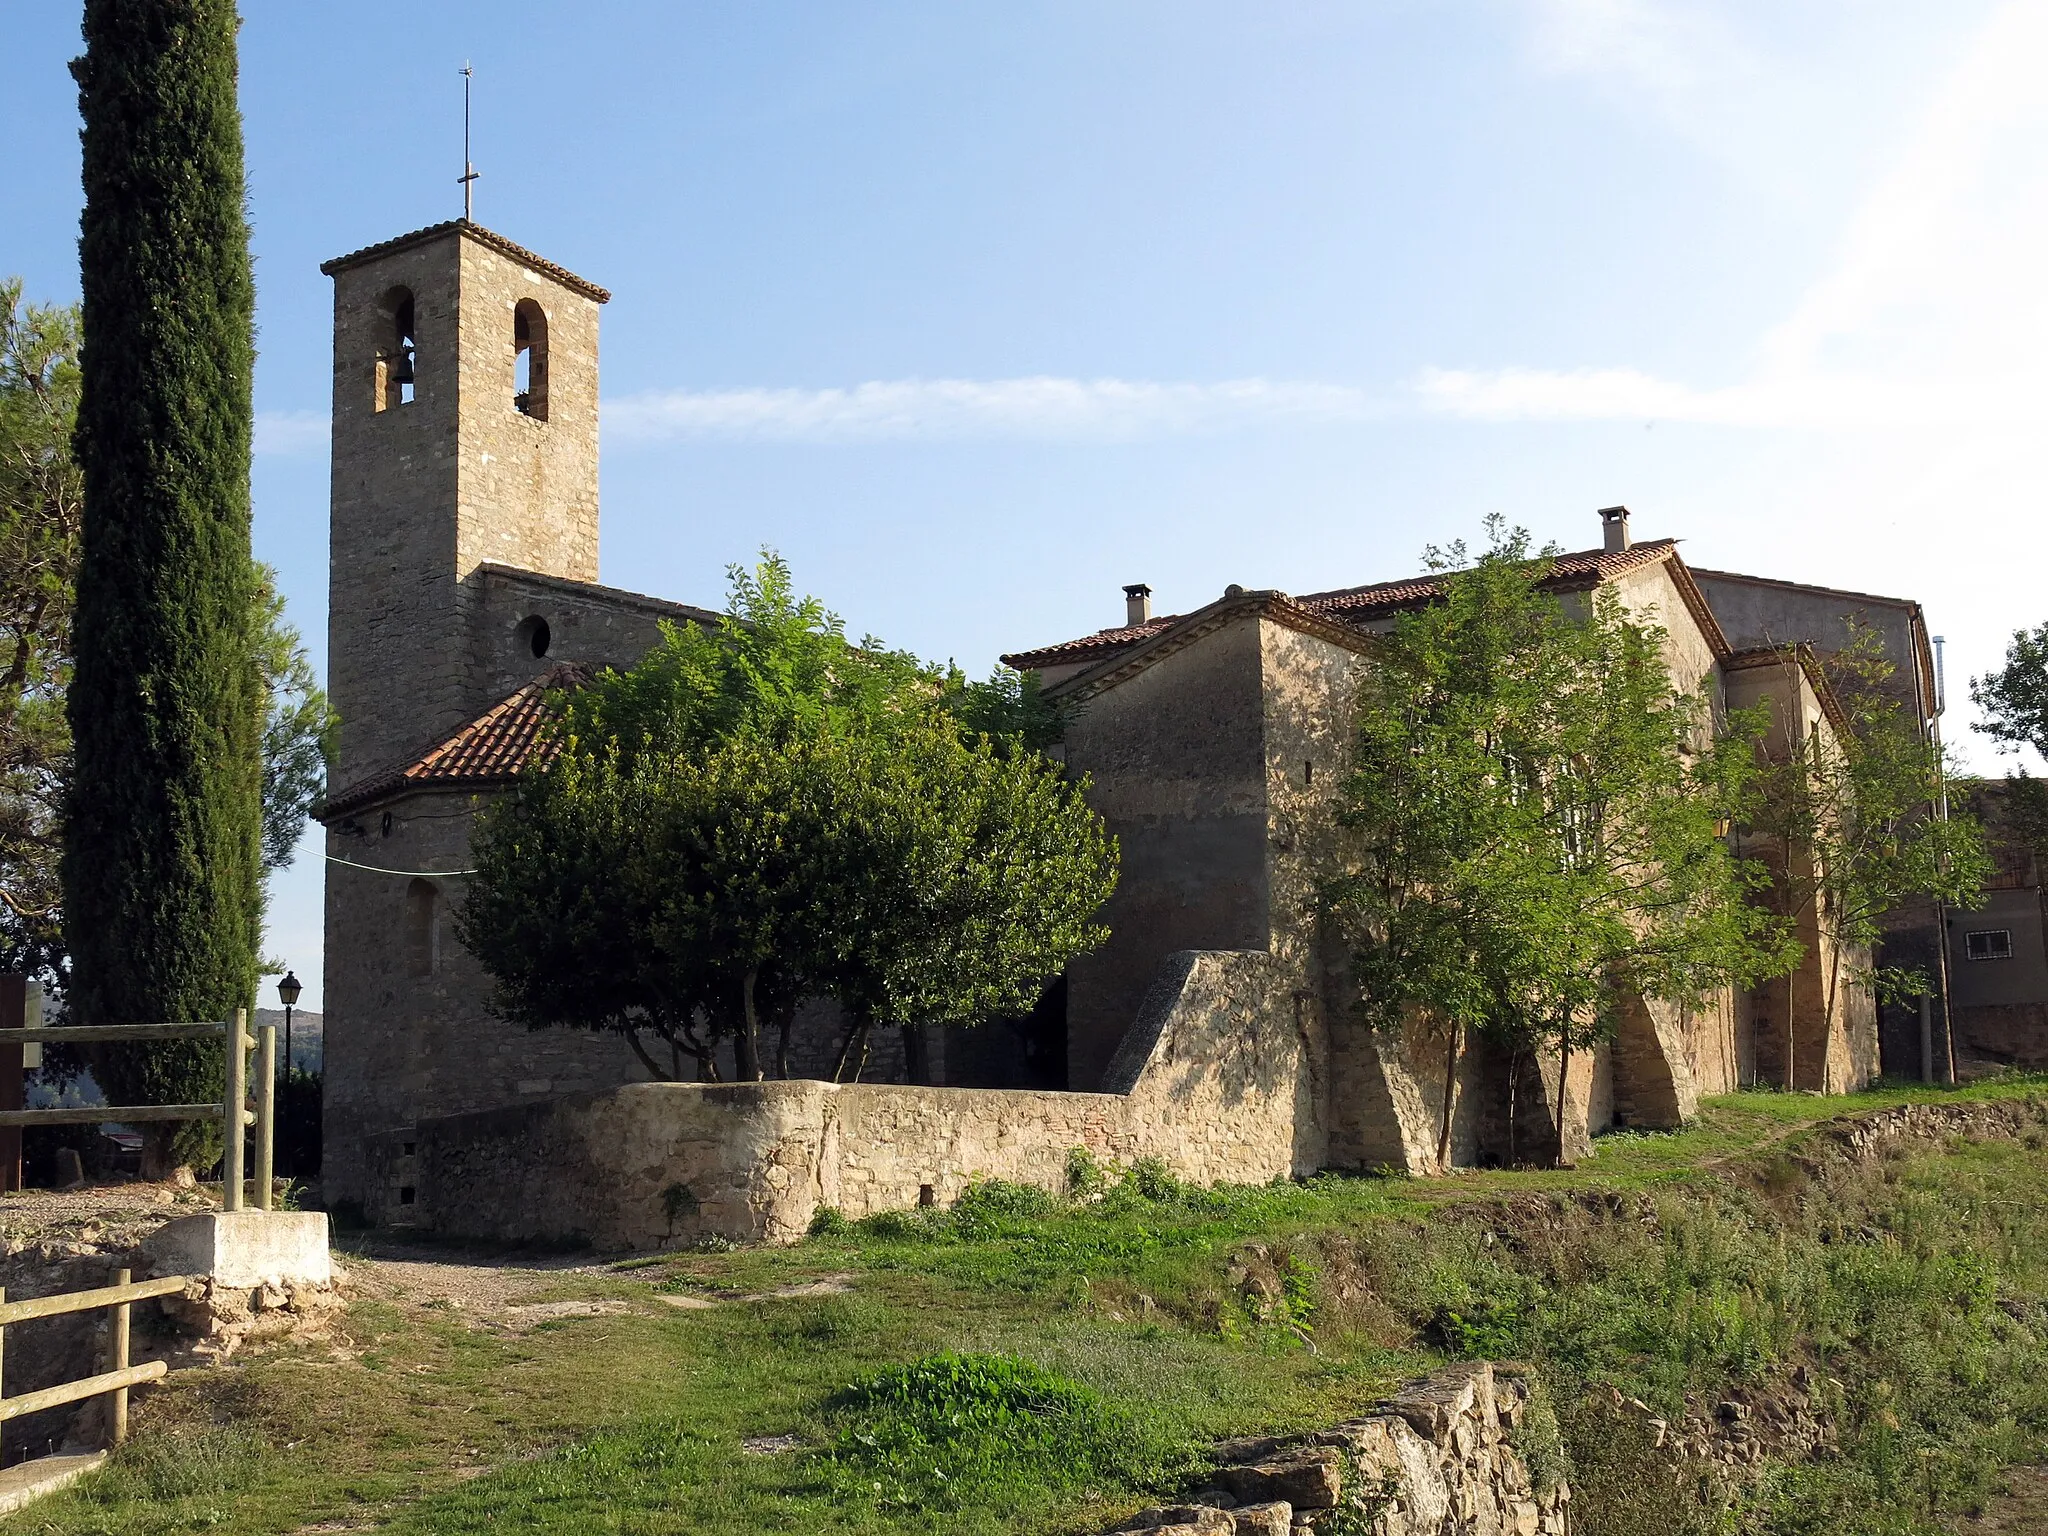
(469, 176)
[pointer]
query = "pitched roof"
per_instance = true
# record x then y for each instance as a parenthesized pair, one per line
(482, 236)
(486, 753)
(1181, 632)
(1359, 605)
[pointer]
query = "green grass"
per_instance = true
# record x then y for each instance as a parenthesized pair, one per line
(1027, 1364)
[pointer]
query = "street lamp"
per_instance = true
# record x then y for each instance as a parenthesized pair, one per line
(288, 992)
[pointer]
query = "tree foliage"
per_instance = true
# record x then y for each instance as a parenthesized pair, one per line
(40, 499)
(1538, 820)
(2014, 699)
(761, 812)
(163, 832)
(40, 495)
(2013, 704)
(1857, 822)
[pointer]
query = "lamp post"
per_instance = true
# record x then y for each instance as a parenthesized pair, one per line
(288, 993)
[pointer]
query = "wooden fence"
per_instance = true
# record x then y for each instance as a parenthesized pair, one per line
(119, 1375)
(236, 1042)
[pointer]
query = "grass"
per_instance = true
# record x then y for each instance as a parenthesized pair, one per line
(1021, 1363)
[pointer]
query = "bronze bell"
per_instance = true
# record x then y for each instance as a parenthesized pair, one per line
(402, 374)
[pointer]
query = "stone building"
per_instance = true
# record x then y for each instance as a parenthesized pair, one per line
(463, 589)
(1998, 951)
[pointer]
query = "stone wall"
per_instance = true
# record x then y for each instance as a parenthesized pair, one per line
(1215, 1081)
(1438, 1458)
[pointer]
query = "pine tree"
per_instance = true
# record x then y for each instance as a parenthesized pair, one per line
(163, 855)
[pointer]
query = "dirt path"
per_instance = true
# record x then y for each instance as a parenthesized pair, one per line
(2021, 1511)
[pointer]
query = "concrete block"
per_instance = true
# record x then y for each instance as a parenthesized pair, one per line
(242, 1250)
(30, 1480)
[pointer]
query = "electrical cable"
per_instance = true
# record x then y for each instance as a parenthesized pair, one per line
(417, 874)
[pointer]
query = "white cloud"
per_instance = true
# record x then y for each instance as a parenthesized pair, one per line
(1044, 408)
(285, 434)
(1934, 313)
(1683, 61)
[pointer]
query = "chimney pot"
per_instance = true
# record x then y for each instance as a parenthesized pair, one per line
(1137, 603)
(1614, 530)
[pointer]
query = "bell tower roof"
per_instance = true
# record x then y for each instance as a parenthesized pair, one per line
(485, 237)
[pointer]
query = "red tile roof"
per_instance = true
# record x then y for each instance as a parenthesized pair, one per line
(482, 236)
(486, 753)
(1357, 605)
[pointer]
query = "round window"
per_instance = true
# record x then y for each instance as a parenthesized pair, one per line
(533, 635)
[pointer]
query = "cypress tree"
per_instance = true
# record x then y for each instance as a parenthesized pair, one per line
(162, 859)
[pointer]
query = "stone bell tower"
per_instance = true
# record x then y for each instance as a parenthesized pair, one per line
(465, 432)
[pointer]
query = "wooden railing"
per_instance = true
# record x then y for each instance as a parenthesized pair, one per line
(119, 1375)
(236, 1043)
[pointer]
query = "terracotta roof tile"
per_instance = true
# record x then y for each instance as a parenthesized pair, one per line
(488, 751)
(482, 236)
(1353, 605)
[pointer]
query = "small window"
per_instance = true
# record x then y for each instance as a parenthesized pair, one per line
(1988, 944)
(533, 636)
(397, 364)
(530, 360)
(422, 928)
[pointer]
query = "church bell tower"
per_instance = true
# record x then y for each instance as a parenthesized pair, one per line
(465, 433)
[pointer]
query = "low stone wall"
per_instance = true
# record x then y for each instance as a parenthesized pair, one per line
(1217, 1079)
(1436, 1459)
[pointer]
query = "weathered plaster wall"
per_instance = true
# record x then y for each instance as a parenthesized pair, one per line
(1213, 1084)
(409, 1028)
(1831, 1049)
(598, 626)
(1177, 763)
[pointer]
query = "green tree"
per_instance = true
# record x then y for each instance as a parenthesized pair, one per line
(163, 832)
(2014, 704)
(40, 496)
(1538, 822)
(1856, 824)
(761, 812)
(40, 499)
(2014, 699)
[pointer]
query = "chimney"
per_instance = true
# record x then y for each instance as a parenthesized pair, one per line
(1137, 603)
(1614, 529)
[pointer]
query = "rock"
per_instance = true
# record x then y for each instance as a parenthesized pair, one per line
(1263, 1519)
(1248, 1448)
(1181, 1520)
(1310, 1478)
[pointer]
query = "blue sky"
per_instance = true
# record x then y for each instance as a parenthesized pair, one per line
(977, 312)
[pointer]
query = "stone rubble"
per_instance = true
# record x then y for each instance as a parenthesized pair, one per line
(1436, 1459)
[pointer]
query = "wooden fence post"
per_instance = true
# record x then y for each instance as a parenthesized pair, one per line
(231, 1115)
(118, 1415)
(266, 1109)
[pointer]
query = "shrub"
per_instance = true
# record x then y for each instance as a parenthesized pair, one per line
(923, 1434)
(829, 1221)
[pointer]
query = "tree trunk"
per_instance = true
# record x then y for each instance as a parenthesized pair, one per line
(785, 1021)
(855, 1032)
(1443, 1135)
(1827, 1011)
(1514, 1077)
(746, 1048)
(1791, 1035)
(653, 1068)
(1564, 1091)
